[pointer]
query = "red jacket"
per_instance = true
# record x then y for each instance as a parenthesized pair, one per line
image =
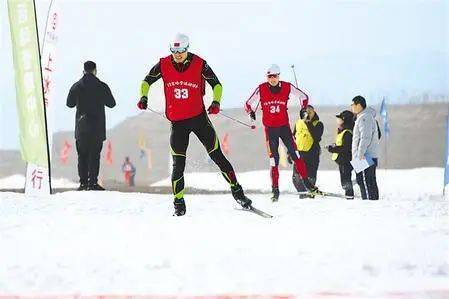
(274, 106)
(183, 90)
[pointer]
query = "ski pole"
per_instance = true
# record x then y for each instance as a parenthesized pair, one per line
(157, 112)
(238, 121)
(294, 74)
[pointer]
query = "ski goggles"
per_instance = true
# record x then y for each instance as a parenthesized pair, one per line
(273, 75)
(178, 50)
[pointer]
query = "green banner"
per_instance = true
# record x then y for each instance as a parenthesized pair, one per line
(29, 95)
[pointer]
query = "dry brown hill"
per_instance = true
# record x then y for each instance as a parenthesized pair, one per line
(417, 140)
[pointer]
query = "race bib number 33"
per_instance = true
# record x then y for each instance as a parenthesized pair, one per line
(181, 93)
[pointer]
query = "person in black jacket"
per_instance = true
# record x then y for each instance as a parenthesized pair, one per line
(90, 95)
(308, 131)
(342, 150)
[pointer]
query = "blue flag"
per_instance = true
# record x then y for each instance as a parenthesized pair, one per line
(384, 115)
(446, 160)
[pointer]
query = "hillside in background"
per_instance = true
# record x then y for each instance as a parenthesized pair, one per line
(417, 140)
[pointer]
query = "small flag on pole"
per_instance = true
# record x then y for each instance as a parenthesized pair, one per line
(142, 146)
(225, 144)
(108, 157)
(446, 160)
(65, 152)
(384, 115)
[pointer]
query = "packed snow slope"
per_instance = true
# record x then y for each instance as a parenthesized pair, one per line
(128, 243)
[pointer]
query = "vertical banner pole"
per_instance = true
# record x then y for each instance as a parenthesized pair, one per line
(43, 99)
(30, 96)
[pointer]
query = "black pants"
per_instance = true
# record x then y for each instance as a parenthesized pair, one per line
(346, 178)
(368, 183)
(88, 159)
(312, 160)
(179, 141)
(272, 136)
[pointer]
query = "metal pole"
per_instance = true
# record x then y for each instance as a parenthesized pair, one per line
(238, 121)
(43, 98)
(294, 74)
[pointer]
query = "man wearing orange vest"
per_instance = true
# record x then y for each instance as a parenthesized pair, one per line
(272, 97)
(184, 75)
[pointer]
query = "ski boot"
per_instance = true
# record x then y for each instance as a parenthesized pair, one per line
(275, 196)
(305, 196)
(95, 187)
(82, 187)
(239, 196)
(180, 207)
(313, 190)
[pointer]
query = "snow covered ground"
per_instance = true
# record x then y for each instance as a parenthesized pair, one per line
(128, 243)
(393, 183)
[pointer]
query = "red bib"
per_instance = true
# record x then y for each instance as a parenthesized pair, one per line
(274, 105)
(183, 90)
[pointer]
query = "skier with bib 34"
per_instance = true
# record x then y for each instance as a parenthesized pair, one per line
(272, 97)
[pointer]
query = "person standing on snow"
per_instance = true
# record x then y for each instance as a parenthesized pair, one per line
(365, 143)
(272, 96)
(184, 75)
(129, 171)
(90, 95)
(342, 150)
(308, 131)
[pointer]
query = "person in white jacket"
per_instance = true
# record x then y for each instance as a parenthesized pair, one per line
(365, 143)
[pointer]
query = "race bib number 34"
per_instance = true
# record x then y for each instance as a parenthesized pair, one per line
(275, 109)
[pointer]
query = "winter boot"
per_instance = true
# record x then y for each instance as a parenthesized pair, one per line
(95, 187)
(275, 196)
(180, 207)
(239, 196)
(313, 190)
(82, 187)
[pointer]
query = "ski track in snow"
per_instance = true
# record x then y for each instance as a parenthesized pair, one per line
(128, 243)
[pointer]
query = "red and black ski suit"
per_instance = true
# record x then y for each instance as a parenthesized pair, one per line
(184, 86)
(273, 101)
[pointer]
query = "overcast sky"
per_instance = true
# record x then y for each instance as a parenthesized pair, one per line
(340, 48)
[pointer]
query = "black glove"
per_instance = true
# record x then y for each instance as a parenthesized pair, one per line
(143, 103)
(252, 115)
(303, 113)
(330, 148)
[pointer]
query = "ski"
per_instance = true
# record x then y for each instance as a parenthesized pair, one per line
(259, 212)
(252, 209)
(325, 194)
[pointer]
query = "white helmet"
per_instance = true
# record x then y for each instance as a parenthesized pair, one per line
(274, 69)
(181, 41)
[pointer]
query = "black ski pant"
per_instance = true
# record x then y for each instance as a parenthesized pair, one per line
(312, 160)
(89, 150)
(179, 141)
(346, 178)
(368, 183)
(284, 133)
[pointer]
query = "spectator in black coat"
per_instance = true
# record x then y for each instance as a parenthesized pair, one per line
(342, 150)
(90, 95)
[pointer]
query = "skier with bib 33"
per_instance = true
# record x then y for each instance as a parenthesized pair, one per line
(184, 75)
